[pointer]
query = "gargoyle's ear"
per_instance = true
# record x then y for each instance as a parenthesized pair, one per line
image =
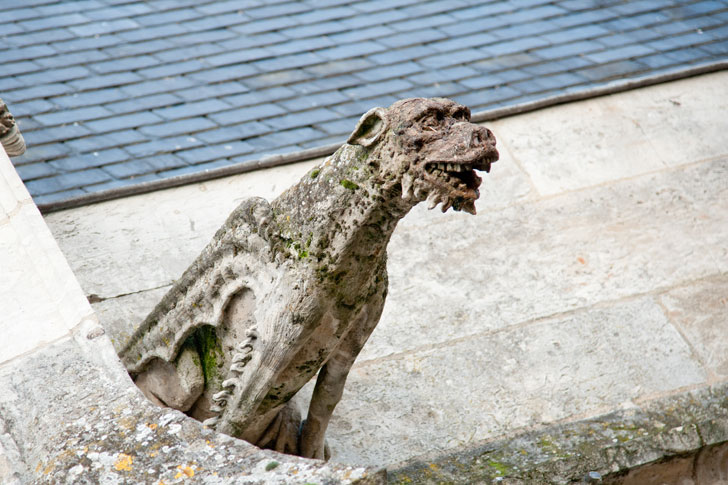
(371, 126)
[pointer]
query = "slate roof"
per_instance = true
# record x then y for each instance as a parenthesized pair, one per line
(110, 93)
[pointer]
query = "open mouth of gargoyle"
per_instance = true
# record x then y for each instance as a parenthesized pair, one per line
(455, 184)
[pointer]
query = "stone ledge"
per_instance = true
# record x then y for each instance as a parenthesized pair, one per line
(614, 446)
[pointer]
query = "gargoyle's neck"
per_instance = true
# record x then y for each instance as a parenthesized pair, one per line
(340, 217)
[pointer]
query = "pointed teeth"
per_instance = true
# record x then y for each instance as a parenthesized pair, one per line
(407, 182)
(446, 205)
(229, 383)
(252, 333)
(469, 207)
(216, 408)
(432, 200)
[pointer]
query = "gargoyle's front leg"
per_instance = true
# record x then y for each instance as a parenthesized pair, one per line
(330, 383)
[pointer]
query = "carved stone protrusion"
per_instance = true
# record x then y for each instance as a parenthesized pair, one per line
(10, 136)
(293, 288)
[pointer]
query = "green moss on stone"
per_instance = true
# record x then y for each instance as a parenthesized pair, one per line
(348, 184)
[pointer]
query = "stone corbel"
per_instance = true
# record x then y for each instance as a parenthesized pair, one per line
(10, 136)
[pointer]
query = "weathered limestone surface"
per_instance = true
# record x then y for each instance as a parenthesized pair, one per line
(562, 255)
(69, 412)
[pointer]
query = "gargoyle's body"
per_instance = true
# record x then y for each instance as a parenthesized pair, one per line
(288, 288)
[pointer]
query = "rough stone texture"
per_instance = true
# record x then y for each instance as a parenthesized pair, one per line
(687, 431)
(10, 137)
(69, 412)
(528, 262)
(288, 288)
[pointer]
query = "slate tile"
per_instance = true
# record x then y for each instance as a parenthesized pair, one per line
(358, 35)
(571, 49)
(174, 69)
(128, 169)
(247, 41)
(475, 26)
(225, 6)
(234, 132)
(123, 49)
(163, 145)
(57, 196)
(100, 142)
(340, 67)
(451, 58)
(63, 60)
(164, 85)
(189, 52)
(439, 90)
(116, 183)
(16, 14)
(54, 75)
(40, 153)
(90, 160)
(340, 127)
(278, 78)
(716, 48)
(190, 109)
(42, 37)
(214, 152)
(313, 101)
(574, 34)
(73, 115)
(482, 11)
(163, 162)
(260, 96)
(327, 84)
(166, 31)
(676, 42)
(398, 55)
(213, 22)
(33, 107)
(526, 29)
(324, 28)
(289, 62)
(605, 72)
(626, 52)
(239, 115)
(89, 98)
(288, 137)
(87, 43)
(105, 81)
(118, 11)
(120, 122)
(173, 128)
(430, 9)
(459, 43)
(197, 168)
(123, 64)
(226, 73)
(303, 118)
(378, 89)
(318, 15)
(54, 134)
(143, 103)
(402, 69)
(443, 75)
(329, 140)
(279, 10)
(479, 82)
(23, 53)
(34, 171)
(476, 99)
(587, 17)
(378, 5)
(52, 21)
(359, 107)
(412, 38)
(67, 181)
(375, 18)
(171, 16)
(300, 45)
(264, 25)
(552, 67)
(106, 27)
(21, 67)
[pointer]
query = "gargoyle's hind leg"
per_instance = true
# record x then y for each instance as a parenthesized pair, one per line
(176, 385)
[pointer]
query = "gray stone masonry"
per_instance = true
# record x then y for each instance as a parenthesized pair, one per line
(590, 288)
(215, 83)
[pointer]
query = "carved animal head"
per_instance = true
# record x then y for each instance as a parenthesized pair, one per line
(428, 148)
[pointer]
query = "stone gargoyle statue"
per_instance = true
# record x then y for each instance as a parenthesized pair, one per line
(294, 287)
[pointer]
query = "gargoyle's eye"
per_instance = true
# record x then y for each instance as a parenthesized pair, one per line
(439, 116)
